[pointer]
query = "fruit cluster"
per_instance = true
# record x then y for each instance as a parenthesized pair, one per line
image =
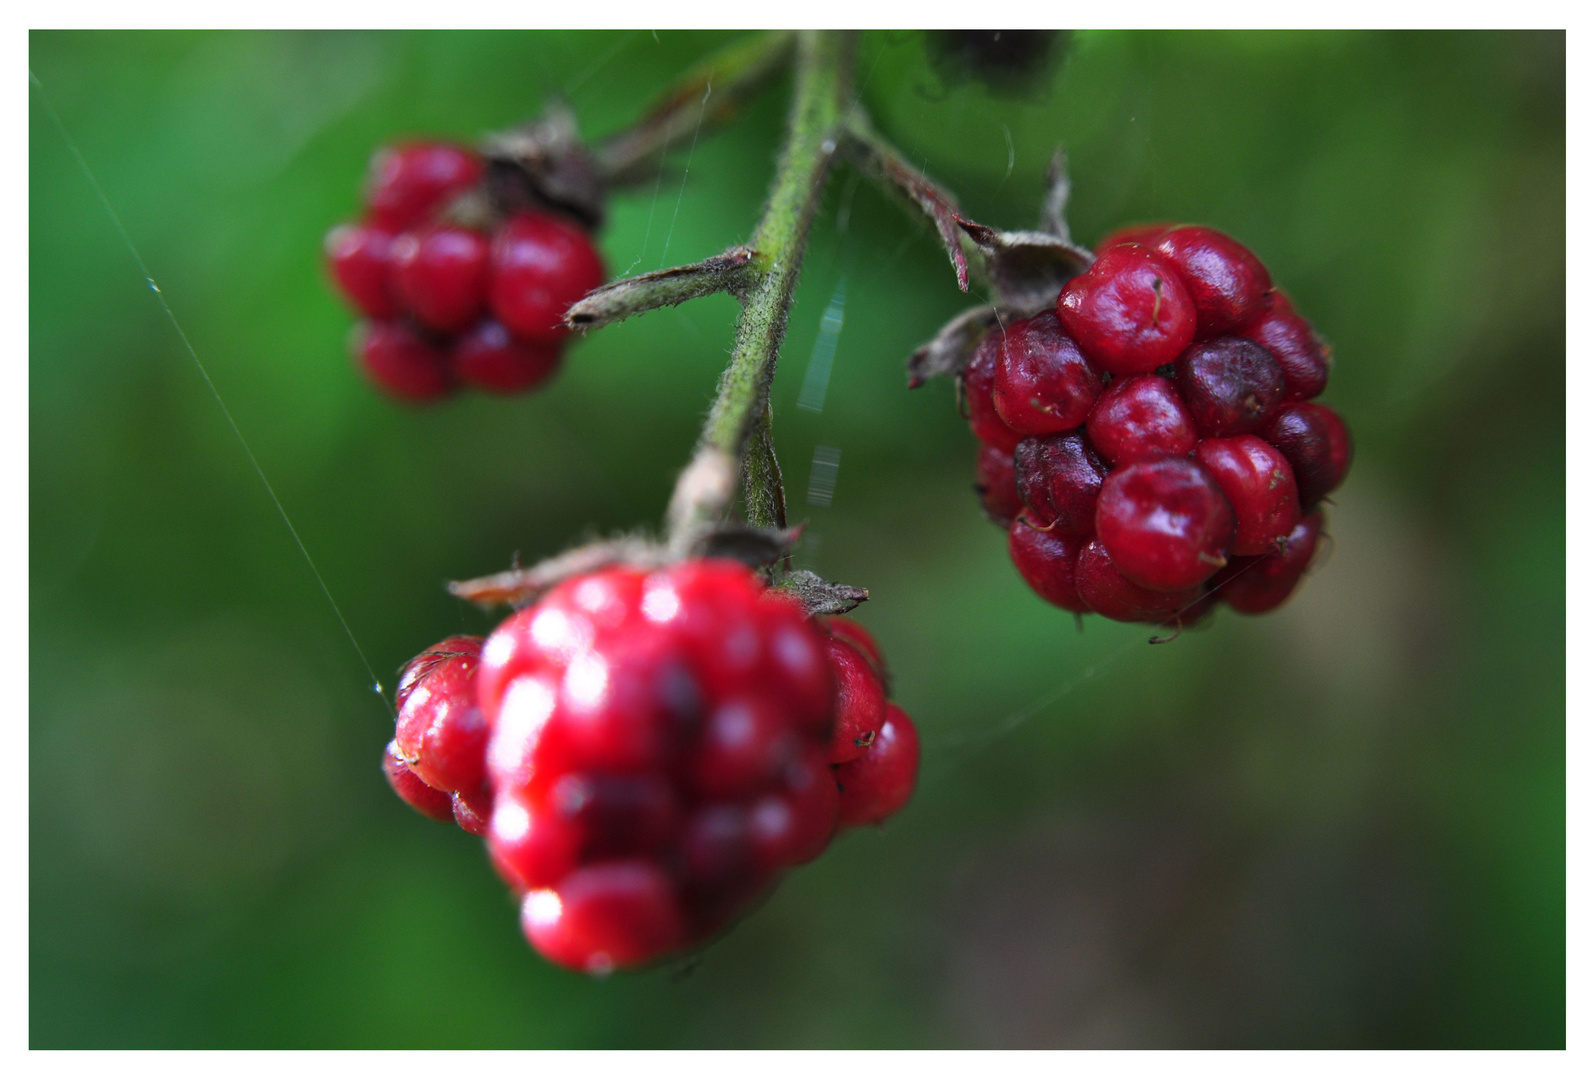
(649, 750)
(449, 303)
(1151, 444)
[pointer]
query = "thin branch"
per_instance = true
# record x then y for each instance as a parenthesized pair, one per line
(714, 91)
(708, 483)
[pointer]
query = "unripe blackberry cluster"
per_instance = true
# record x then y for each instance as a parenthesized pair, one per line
(649, 750)
(451, 304)
(1151, 444)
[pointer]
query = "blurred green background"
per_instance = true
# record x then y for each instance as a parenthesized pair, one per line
(1338, 825)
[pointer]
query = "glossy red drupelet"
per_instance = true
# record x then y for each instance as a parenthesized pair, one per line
(1165, 523)
(976, 386)
(440, 735)
(411, 182)
(662, 747)
(401, 360)
(879, 782)
(1129, 312)
(996, 485)
(440, 732)
(435, 804)
(1262, 583)
(490, 358)
(1257, 481)
(1106, 591)
(849, 630)
(1227, 283)
(541, 265)
(440, 275)
(860, 701)
(1139, 418)
(360, 258)
(1046, 560)
(1043, 382)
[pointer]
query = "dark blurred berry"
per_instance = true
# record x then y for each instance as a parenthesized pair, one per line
(1013, 63)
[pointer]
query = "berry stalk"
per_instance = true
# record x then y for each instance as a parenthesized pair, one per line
(707, 485)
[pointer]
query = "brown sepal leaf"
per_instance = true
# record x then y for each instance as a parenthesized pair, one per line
(523, 585)
(944, 356)
(821, 597)
(913, 186)
(748, 544)
(1027, 269)
(544, 165)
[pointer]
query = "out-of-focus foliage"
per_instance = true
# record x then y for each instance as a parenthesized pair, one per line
(1342, 824)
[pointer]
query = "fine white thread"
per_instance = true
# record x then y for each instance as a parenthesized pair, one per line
(149, 279)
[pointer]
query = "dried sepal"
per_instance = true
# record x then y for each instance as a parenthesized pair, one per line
(1055, 203)
(1027, 269)
(945, 355)
(747, 544)
(821, 597)
(544, 165)
(522, 585)
(881, 161)
(729, 271)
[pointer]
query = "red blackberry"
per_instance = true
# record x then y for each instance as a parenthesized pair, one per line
(673, 723)
(434, 281)
(1206, 360)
